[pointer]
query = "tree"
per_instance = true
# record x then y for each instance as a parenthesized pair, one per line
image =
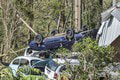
(43, 16)
(10, 23)
(78, 14)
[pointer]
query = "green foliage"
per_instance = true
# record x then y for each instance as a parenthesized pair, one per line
(6, 74)
(1, 28)
(43, 15)
(32, 74)
(26, 70)
(34, 77)
(91, 13)
(92, 51)
(92, 58)
(107, 4)
(63, 51)
(27, 73)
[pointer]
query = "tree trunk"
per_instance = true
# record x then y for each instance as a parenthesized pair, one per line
(4, 45)
(31, 19)
(101, 2)
(9, 22)
(78, 14)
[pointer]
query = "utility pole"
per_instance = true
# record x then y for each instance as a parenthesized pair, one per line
(78, 15)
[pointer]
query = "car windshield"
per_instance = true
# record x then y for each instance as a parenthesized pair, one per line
(52, 65)
(34, 62)
(39, 63)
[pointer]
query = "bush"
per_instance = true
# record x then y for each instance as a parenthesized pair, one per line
(92, 58)
(32, 74)
(7, 74)
(33, 77)
(25, 72)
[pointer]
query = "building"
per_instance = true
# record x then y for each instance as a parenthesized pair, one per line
(109, 32)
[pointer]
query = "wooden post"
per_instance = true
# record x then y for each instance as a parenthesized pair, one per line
(78, 14)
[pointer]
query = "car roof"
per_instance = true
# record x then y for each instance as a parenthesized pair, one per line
(28, 58)
(62, 61)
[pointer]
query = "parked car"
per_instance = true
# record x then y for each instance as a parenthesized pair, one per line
(53, 69)
(71, 59)
(34, 53)
(112, 72)
(28, 61)
(55, 41)
(71, 62)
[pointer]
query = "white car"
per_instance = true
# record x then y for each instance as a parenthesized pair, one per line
(29, 61)
(71, 62)
(71, 59)
(34, 53)
(53, 70)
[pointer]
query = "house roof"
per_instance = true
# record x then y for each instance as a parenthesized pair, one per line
(113, 11)
(110, 28)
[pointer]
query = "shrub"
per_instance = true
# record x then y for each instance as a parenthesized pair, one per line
(32, 74)
(26, 72)
(7, 74)
(92, 58)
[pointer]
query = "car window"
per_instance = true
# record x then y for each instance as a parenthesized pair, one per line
(16, 62)
(52, 65)
(34, 62)
(62, 68)
(39, 63)
(24, 62)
